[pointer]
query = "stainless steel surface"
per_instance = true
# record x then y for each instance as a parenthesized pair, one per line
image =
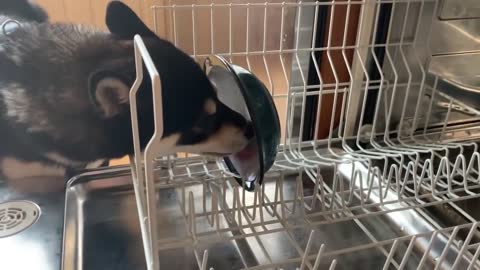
(459, 9)
(467, 91)
(38, 247)
(458, 76)
(455, 36)
(455, 48)
(457, 66)
(101, 229)
(97, 240)
(457, 28)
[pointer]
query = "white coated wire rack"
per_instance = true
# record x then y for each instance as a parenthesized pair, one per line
(371, 146)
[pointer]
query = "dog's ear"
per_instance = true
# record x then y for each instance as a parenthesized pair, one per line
(108, 92)
(124, 23)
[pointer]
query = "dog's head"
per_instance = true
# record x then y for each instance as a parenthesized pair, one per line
(65, 88)
(194, 119)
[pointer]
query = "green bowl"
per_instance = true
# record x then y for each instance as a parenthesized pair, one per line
(240, 90)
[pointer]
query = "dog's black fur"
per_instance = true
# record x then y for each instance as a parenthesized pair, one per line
(23, 9)
(64, 92)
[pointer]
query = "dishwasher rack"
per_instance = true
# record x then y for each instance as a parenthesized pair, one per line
(366, 133)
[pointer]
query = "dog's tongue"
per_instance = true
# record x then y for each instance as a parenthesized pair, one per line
(246, 162)
(247, 152)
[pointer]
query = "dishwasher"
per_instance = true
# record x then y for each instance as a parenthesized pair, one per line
(378, 166)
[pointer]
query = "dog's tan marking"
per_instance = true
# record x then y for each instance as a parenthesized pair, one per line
(95, 164)
(13, 168)
(69, 162)
(62, 160)
(210, 106)
(19, 107)
(228, 139)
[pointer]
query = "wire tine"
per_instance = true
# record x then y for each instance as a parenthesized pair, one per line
(427, 250)
(446, 248)
(235, 205)
(430, 106)
(295, 200)
(264, 47)
(257, 205)
(302, 76)
(230, 30)
(318, 258)
(276, 196)
(267, 205)
(335, 75)
(301, 196)
(215, 212)
(464, 248)
(390, 255)
(406, 255)
(315, 189)
(204, 260)
(239, 206)
(307, 250)
(333, 264)
(247, 39)
(333, 194)
(474, 261)
(422, 70)
(212, 32)
(254, 205)
(183, 198)
(228, 209)
(282, 29)
(283, 205)
(261, 203)
(409, 73)
(192, 219)
(194, 33)
(322, 190)
(204, 202)
(378, 67)
(349, 70)
(342, 192)
(155, 24)
(174, 22)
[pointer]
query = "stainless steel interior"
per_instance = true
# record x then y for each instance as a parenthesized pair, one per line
(94, 240)
(455, 50)
(459, 9)
(39, 246)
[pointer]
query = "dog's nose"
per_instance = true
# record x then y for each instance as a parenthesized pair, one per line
(249, 132)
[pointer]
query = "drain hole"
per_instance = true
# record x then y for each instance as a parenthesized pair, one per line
(16, 216)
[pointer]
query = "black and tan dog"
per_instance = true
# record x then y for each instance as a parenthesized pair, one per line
(64, 94)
